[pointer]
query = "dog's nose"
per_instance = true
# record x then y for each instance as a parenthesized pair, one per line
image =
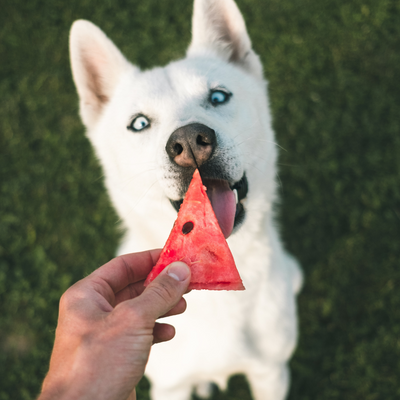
(191, 145)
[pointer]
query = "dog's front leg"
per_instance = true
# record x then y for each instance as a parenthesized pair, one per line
(268, 381)
(181, 392)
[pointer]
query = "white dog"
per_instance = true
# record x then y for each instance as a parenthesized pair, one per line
(150, 129)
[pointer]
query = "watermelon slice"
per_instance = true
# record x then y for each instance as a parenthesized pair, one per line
(197, 240)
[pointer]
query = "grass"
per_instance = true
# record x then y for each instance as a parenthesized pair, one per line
(334, 74)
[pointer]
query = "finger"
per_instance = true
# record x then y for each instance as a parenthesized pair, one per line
(164, 292)
(136, 289)
(163, 332)
(121, 272)
(180, 308)
(130, 292)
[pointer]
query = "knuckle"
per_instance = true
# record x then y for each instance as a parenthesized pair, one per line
(71, 297)
(66, 299)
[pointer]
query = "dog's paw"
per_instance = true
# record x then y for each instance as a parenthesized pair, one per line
(204, 390)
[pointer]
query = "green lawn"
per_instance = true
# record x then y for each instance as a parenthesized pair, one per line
(334, 73)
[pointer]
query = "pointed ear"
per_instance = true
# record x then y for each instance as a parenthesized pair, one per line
(97, 66)
(218, 27)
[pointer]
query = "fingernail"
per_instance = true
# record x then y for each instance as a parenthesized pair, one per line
(178, 270)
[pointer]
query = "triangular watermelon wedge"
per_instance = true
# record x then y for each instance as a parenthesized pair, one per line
(197, 240)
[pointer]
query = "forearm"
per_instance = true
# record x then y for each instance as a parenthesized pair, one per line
(87, 378)
(61, 390)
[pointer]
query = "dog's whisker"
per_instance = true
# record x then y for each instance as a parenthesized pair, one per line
(139, 163)
(135, 205)
(254, 166)
(100, 177)
(280, 182)
(145, 193)
(276, 144)
(255, 155)
(262, 140)
(244, 132)
(131, 178)
(288, 165)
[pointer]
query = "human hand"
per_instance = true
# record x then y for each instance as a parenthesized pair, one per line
(107, 324)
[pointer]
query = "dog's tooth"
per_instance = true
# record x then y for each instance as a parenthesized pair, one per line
(236, 195)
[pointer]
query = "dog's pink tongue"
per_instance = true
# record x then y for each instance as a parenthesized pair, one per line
(223, 202)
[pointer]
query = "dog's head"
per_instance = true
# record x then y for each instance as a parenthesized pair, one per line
(151, 129)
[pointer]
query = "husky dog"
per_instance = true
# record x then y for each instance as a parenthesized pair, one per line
(150, 130)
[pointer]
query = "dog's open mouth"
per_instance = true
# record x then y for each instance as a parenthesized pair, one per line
(226, 200)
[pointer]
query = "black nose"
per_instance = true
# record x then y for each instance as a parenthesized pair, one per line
(191, 145)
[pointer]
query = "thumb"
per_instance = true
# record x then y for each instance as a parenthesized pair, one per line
(165, 291)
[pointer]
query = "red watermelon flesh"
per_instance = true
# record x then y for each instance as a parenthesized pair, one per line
(197, 240)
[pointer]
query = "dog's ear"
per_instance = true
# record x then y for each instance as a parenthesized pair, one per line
(218, 27)
(97, 66)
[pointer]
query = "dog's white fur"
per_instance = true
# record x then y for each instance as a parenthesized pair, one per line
(221, 333)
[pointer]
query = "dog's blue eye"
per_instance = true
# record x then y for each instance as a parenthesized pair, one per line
(139, 123)
(219, 97)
